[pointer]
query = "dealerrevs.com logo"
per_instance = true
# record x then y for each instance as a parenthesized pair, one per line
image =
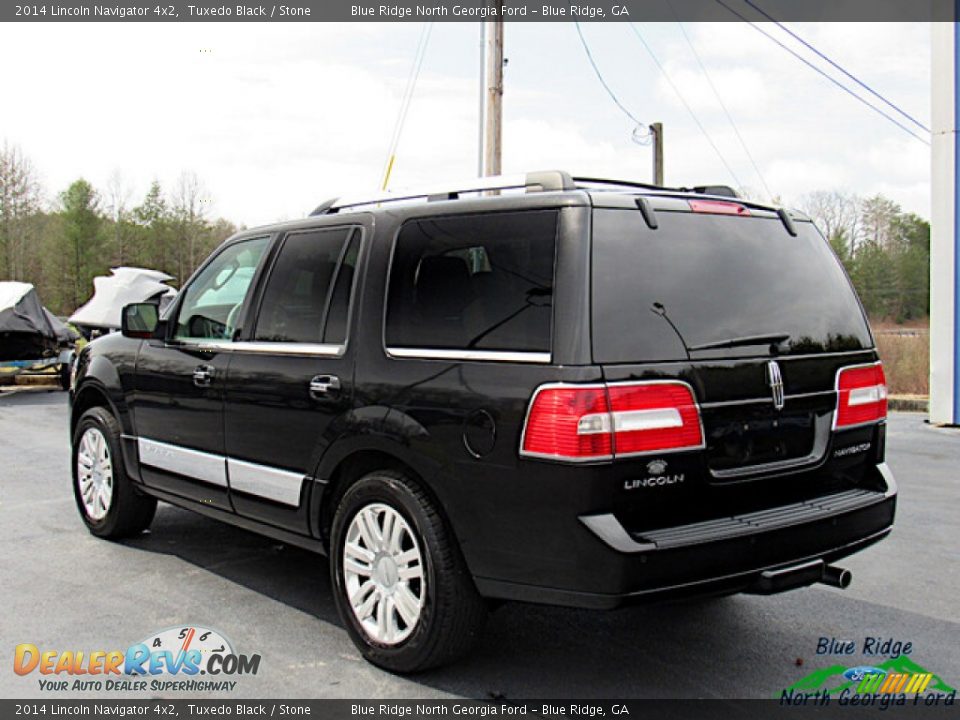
(187, 658)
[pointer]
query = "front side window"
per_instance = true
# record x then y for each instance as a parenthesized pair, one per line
(212, 302)
(307, 294)
(481, 282)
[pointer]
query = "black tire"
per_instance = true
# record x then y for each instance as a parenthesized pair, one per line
(63, 376)
(453, 613)
(130, 511)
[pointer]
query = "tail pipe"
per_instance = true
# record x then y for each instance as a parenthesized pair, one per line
(796, 576)
(836, 576)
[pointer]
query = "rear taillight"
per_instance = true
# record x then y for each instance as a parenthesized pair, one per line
(567, 421)
(599, 422)
(861, 395)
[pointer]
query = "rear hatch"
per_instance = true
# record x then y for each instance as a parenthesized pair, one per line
(756, 320)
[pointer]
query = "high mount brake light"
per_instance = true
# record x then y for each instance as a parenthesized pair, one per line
(718, 207)
(599, 422)
(861, 395)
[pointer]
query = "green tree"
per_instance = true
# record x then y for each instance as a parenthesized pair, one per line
(841, 246)
(80, 213)
(153, 239)
(911, 257)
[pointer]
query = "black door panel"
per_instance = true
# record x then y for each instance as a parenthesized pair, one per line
(291, 379)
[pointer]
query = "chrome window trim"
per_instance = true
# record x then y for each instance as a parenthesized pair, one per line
(206, 467)
(533, 357)
(282, 486)
(272, 348)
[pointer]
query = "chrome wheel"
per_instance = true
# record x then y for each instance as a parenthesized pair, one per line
(383, 574)
(95, 474)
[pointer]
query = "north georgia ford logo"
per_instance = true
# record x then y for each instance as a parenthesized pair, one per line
(657, 477)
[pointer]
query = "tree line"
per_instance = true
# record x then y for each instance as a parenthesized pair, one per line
(60, 243)
(886, 251)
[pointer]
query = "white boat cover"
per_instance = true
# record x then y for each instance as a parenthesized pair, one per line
(124, 286)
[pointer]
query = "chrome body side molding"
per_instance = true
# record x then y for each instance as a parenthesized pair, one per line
(264, 481)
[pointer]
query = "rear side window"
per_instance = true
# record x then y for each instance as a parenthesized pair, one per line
(481, 282)
(304, 300)
(712, 280)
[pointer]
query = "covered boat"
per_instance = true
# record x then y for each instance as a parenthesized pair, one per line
(26, 332)
(123, 286)
(66, 335)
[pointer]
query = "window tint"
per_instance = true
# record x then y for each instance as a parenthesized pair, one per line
(335, 332)
(703, 280)
(482, 282)
(298, 292)
(212, 302)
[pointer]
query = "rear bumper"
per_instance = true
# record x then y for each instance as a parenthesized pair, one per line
(726, 555)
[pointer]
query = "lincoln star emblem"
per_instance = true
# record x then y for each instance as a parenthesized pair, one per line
(775, 381)
(656, 467)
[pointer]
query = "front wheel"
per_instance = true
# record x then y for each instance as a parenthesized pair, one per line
(109, 503)
(400, 583)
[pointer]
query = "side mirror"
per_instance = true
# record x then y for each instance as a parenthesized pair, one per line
(140, 320)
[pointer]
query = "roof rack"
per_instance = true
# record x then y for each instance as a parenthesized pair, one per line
(719, 190)
(543, 181)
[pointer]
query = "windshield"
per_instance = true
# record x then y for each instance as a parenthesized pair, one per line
(717, 286)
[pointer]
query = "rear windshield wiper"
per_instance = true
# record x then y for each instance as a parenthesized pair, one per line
(773, 339)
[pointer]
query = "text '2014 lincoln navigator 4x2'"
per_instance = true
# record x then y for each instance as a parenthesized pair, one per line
(576, 392)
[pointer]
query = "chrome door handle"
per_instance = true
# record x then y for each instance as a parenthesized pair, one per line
(203, 375)
(324, 386)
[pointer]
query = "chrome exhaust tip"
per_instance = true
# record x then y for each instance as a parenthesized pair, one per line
(836, 577)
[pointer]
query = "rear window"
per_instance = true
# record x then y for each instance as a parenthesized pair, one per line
(481, 282)
(708, 279)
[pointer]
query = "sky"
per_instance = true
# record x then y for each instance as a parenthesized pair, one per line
(274, 119)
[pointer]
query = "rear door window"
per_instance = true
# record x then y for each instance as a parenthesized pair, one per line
(481, 282)
(701, 280)
(309, 281)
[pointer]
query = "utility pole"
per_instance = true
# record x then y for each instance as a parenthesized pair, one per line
(491, 115)
(656, 130)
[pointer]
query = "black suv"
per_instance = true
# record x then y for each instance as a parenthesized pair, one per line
(577, 392)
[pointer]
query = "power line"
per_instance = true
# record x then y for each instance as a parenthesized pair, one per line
(405, 101)
(857, 80)
(586, 48)
(821, 72)
(686, 105)
(723, 105)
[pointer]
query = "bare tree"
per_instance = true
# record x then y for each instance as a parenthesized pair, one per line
(19, 202)
(189, 207)
(118, 207)
(836, 213)
(877, 216)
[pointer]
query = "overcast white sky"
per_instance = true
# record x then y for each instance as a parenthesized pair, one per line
(275, 118)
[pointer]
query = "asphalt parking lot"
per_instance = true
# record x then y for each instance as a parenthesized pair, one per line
(63, 589)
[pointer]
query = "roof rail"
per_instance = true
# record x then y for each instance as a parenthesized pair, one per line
(542, 181)
(721, 190)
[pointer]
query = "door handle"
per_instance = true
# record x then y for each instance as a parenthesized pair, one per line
(324, 386)
(203, 375)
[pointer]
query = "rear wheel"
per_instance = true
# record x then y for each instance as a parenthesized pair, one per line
(109, 503)
(401, 586)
